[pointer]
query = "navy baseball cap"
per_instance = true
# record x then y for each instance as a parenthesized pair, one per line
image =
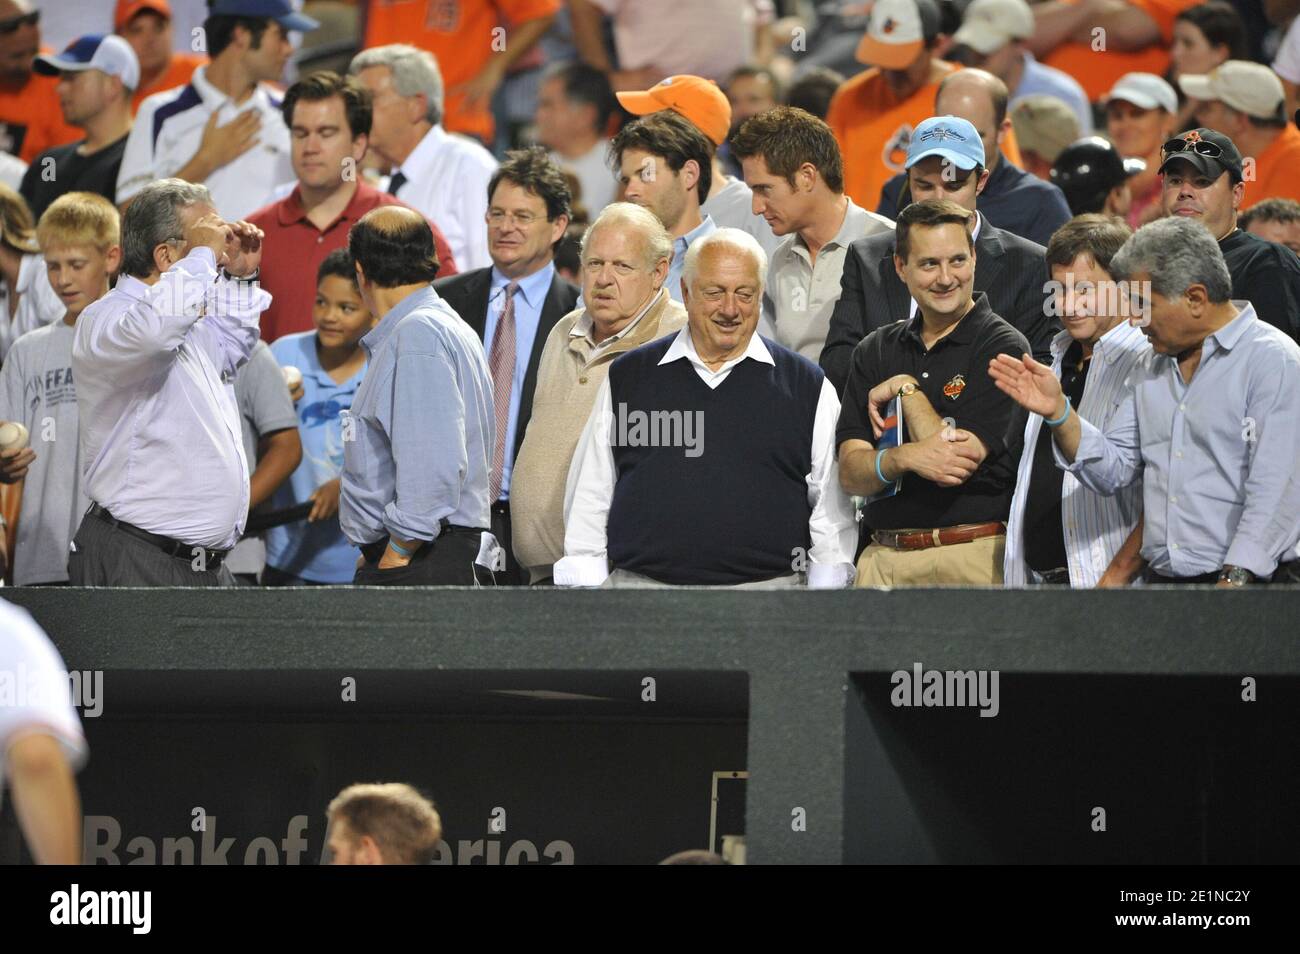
(951, 137)
(109, 54)
(281, 11)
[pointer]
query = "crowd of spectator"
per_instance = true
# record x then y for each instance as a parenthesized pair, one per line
(634, 293)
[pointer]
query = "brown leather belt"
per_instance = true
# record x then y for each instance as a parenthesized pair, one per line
(938, 537)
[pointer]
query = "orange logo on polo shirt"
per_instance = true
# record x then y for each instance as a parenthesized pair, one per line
(894, 152)
(952, 390)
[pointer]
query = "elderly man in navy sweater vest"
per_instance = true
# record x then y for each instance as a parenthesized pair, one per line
(709, 456)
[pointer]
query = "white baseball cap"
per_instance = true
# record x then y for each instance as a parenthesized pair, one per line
(1251, 88)
(990, 25)
(897, 31)
(1144, 90)
(109, 54)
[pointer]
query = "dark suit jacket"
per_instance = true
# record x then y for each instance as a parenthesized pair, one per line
(467, 293)
(1011, 270)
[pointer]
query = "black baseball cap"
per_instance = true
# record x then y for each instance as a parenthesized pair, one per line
(1086, 171)
(1205, 159)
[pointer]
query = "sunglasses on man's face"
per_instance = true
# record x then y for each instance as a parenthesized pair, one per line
(14, 23)
(1201, 147)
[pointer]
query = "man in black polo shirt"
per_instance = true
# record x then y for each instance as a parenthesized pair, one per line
(943, 496)
(1202, 171)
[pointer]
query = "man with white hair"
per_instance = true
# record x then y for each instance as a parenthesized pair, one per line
(1208, 424)
(673, 484)
(625, 257)
(440, 174)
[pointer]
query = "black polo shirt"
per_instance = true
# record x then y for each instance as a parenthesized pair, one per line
(1267, 275)
(954, 375)
(69, 171)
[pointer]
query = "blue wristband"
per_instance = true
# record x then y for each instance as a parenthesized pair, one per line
(399, 550)
(1062, 419)
(880, 473)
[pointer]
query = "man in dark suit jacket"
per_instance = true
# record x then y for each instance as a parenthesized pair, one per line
(514, 305)
(945, 160)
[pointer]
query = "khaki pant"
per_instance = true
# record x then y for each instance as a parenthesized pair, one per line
(978, 563)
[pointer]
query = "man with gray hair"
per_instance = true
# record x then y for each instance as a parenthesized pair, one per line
(625, 257)
(442, 175)
(673, 484)
(153, 359)
(1209, 423)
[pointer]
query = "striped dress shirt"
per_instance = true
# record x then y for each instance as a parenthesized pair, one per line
(1095, 527)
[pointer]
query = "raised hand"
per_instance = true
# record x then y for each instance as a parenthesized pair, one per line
(209, 231)
(243, 252)
(1031, 385)
(222, 145)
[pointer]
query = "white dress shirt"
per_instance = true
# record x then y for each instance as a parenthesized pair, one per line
(592, 475)
(38, 303)
(447, 179)
(160, 434)
(166, 136)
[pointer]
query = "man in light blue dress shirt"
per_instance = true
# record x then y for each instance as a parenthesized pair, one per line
(419, 437)
(1210, 423)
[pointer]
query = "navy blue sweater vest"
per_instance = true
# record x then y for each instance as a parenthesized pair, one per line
(726, 501)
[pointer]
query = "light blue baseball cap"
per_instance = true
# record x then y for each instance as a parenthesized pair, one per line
(951, 137)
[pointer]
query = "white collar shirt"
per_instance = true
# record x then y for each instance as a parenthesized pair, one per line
(161, 442)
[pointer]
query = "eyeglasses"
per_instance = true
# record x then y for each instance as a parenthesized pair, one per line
(1202, 147)
(499, 217)
(14, 23)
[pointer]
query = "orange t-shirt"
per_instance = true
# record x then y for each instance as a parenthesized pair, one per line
(1098, 70)
(874, 127)
(462, 34)
(31, 120)
(178, 73)
(1277, 170)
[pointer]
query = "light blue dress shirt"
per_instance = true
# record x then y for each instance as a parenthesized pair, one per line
(314, 551)
(680, 245)
(417, 445)
(529, 300)
(1218, 455)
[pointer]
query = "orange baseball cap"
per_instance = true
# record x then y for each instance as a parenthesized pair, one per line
(126, 9)
(897, 31)
(692, 97)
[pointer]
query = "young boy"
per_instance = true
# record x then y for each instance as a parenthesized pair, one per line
(78, 236)
(332, 363)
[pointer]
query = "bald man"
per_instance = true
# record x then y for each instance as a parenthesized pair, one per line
(418, 442)
(1013, 199)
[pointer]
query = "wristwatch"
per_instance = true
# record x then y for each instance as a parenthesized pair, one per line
(1236, 575)
(906, 389)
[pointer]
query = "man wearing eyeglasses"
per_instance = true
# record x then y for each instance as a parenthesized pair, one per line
(30, 118)
(513, 305)
(1203, 174)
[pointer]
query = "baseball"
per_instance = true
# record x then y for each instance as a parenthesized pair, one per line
(13, 436)
(292, 376)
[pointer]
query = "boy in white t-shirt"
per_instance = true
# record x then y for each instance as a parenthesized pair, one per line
(79, 239)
